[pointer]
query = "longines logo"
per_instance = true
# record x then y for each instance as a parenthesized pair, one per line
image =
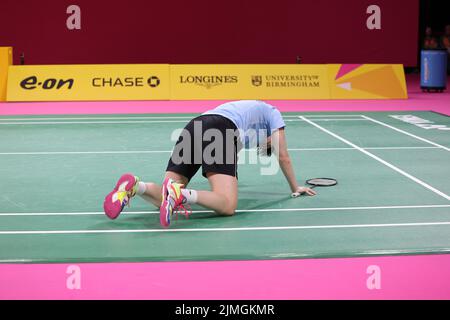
(152, 82)
(286, 81)
(209, 81)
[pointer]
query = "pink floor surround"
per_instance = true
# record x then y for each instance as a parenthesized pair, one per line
(386, 277)
(433, 102)
(396, 277)
(418, 101)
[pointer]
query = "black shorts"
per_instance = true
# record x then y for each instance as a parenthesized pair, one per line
(194, 149)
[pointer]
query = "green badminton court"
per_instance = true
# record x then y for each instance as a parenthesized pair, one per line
(392, 197)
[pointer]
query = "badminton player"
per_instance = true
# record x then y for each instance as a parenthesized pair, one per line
(254, 124)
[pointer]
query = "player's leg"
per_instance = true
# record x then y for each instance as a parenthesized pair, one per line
(129, 185)
(219, 167)
(151, 192)
(222, 173)
(181, 166)
(223, 196)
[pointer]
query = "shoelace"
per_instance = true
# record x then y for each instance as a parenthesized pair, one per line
(128, 195)
(126, 200)
(186, 211)
(179, 207)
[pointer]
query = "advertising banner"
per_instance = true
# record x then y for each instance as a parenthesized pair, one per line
(88, 82)
(5, 62)
(248, 81)
(367, 81)
(206, 82)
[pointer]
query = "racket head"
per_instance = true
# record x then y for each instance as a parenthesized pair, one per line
(322, 182)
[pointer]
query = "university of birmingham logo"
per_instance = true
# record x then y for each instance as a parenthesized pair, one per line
(256, 81)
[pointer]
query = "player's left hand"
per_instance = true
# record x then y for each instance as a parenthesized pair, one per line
(304, 190)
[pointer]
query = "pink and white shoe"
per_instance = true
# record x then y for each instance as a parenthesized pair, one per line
(117, 199)
(172, 201)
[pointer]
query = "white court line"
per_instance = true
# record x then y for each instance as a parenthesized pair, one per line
(95, 118)
(153, 118)
(442, 194)
(407, 133)
(91, 122)
(139, 121)
(368, 148)
(328, 115)
(81, 152)
(328, 119)
(9, 214)
(338, 226)
(398, 148)
(169, 151)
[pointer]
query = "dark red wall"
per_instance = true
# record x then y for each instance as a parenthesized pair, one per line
(210, 31)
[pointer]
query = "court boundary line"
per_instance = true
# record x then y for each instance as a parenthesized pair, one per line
(169, 151)
(367, 148)
(92, 122)
(156, 117)
(431, 206)
(337, 226)
(141, 121)
(328, 119)
(404, 173)
(98, 118)
(406, 133)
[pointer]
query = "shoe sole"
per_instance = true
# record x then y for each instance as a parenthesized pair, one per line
(164, 215)
(114, 209)
(122, 179)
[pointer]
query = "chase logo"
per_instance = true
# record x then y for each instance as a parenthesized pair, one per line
(153, 81)
(32, 83)
(114, 82)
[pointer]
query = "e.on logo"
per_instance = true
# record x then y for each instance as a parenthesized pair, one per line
(32, 83)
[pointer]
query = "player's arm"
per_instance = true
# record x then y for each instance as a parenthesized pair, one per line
(279, 147)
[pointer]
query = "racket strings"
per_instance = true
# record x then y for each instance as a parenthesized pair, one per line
(322, 182)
